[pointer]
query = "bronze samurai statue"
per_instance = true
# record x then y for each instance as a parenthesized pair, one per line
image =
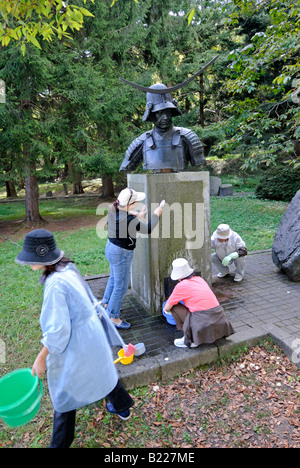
(165, 148)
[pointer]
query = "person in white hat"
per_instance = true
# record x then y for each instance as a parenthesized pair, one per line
(229, 248)
(124, 223)
(195, 308)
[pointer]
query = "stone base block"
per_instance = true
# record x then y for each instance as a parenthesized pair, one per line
(226, 190)
(183, 231)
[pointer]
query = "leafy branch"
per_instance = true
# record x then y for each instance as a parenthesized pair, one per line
(28, 21)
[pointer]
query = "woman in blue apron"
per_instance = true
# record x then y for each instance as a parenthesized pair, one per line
(76, 352)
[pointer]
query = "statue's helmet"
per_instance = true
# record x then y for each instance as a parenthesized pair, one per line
(157, 102)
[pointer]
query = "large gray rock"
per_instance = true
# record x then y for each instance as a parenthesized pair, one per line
(286, 245)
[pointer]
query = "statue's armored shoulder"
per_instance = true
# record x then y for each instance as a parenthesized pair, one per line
(134, 153)
(194, 145)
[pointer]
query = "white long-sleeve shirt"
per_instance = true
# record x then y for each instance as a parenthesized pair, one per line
(223, 249)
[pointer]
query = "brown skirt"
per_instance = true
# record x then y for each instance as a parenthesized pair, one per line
(202, 327)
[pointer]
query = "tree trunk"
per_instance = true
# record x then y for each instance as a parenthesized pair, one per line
(107, 186)
(7, 165)
(201, 104)
(77, 187)
(10, 189)
(75, 176)
(32, 213)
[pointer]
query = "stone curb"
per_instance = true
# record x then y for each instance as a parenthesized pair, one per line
(179, 360)
(289, 344)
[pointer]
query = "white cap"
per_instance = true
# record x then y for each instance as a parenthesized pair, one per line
(129, 196)
(180, 269)
(223, 231)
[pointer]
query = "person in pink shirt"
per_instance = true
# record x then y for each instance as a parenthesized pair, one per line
(195, 308)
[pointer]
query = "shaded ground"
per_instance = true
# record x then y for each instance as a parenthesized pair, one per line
(17, 230)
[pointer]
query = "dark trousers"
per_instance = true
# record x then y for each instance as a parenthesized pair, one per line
(179, 312)
(64, 423)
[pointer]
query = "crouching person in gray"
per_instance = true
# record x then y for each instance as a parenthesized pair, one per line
(229, 248)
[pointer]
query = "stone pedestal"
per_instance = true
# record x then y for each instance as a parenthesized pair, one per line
(226, 190)
(183, 231)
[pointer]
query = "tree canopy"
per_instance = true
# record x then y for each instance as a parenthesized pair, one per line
(263, 117)
(26, 21)
(67, 114)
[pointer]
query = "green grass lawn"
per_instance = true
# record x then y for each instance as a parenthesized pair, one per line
(52, 209)
(255, 220)
(21, 295)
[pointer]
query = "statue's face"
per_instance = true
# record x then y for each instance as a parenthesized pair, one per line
(162, 119)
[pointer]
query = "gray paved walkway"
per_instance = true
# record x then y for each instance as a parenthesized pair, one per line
(266, 303)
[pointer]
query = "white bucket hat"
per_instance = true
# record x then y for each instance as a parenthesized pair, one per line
(180, 269)
(223, 231)
(129, 196)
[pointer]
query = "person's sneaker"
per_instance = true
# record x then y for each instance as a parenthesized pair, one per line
(222, 275)
(179, 342)
(238, 277)
(122, 414)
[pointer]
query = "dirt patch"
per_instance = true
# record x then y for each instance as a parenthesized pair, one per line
(16, 230)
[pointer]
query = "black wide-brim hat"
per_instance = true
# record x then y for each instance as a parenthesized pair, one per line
(39, 248)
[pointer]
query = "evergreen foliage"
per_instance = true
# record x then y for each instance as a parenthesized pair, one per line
(67, 113)
(263, 117)
(279, 183)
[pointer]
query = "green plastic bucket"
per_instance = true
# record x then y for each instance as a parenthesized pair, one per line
(20, 397)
